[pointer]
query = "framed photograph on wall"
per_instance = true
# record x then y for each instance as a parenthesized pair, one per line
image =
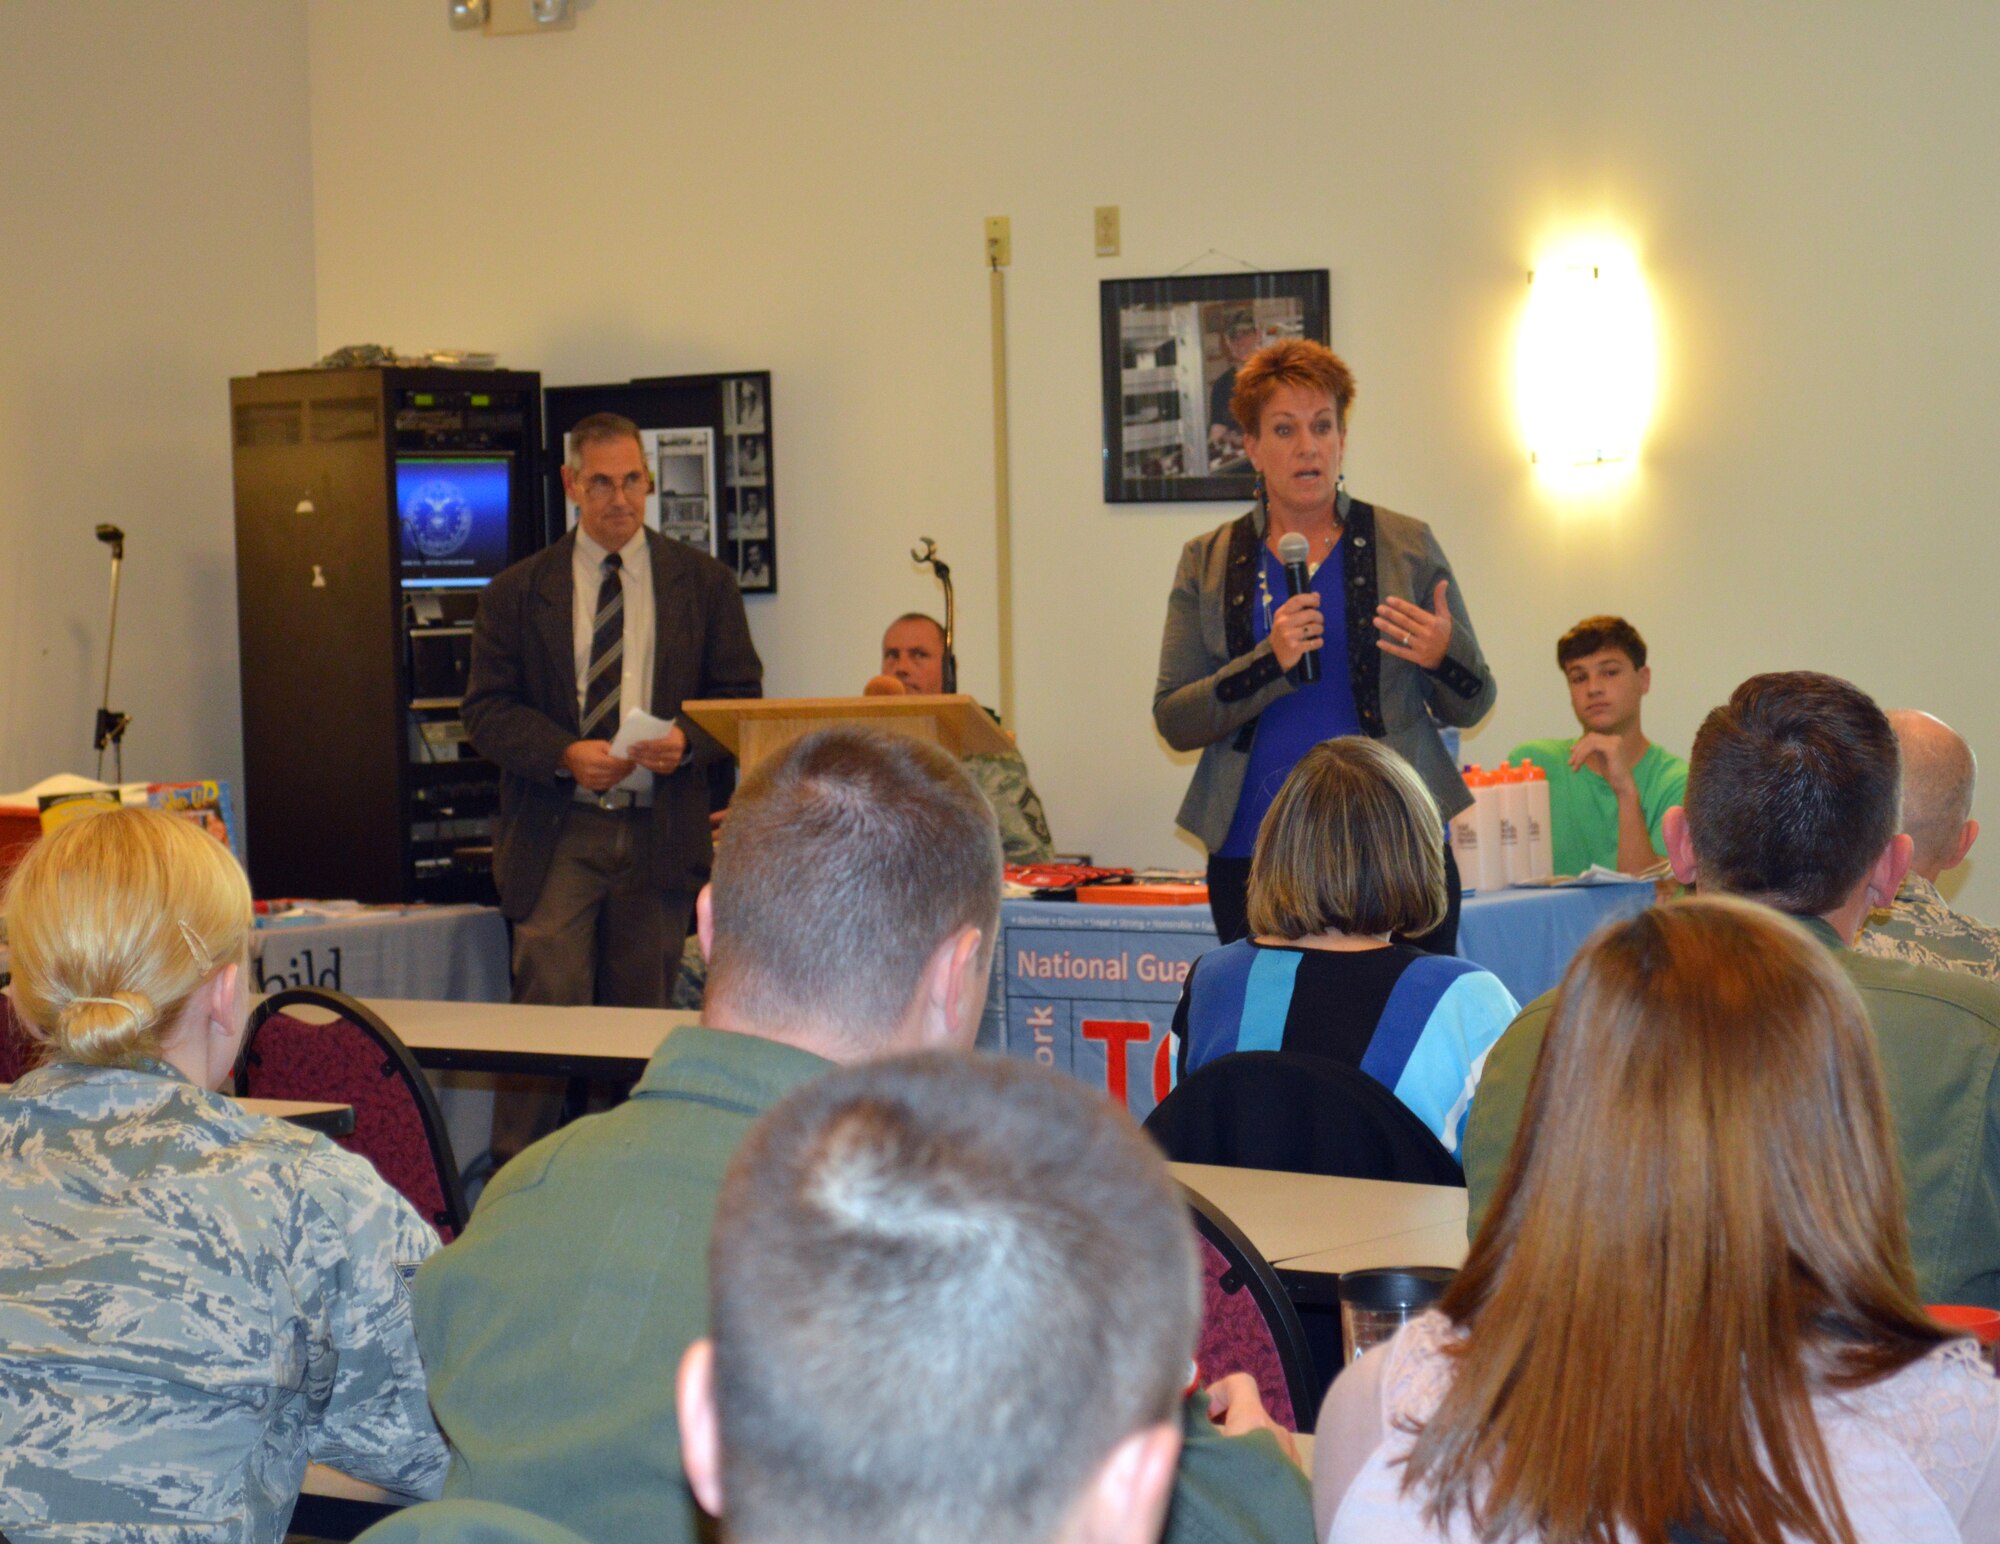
(1171, 348)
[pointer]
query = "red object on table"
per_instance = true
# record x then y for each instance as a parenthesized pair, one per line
(1151, 893)
(1982, 1323)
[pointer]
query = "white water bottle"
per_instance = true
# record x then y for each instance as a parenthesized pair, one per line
(1541, 835)
(1513, 801)
(1464, 828)
(1488, 871)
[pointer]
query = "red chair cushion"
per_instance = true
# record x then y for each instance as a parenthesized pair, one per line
(1236, 1338)
(341, 1063)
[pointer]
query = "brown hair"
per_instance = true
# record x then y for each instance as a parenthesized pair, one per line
(1794, 788)
(1593, 635)
(1290, 362)
(1701, 1218)
(1353, 842)
(934, 1255)
(112, 922)
(846, 860)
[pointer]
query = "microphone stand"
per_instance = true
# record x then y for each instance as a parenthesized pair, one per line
(926, 554)
(111, 726)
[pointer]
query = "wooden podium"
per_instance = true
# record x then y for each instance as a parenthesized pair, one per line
(752, 728)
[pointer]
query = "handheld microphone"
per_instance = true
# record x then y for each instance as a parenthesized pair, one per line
(1295, 552)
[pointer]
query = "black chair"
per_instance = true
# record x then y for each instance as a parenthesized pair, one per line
(349, 1056)
(1248, 1324)
(1301, 1114)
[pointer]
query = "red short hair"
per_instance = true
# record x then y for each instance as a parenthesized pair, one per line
(1290, 362)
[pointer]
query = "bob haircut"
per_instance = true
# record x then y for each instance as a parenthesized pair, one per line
(1290, 362)
(1353, 843)
(113, 921)
(1702, 1207)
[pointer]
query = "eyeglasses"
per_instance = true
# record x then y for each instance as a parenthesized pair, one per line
(598, 488)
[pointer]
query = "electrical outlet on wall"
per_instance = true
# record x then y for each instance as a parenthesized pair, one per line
(1106, 227)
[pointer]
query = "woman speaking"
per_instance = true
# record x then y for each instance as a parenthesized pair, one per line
(1382, 616)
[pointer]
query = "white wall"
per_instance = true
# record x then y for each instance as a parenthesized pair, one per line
(155, 238)
(706, 186)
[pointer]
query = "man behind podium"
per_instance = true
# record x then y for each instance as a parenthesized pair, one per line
(598, 856)
(852, 917)
(913, 656)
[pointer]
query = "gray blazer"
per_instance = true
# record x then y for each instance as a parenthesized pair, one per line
(1214, 680)
(520, 706)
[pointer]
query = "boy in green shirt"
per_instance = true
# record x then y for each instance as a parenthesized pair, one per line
(1610, 785)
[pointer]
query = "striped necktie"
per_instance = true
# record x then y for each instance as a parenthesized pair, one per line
(607, 655)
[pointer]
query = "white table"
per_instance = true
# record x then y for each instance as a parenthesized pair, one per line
(528, 1038)
(1312, 1222)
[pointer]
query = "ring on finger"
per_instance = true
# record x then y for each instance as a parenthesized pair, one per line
(1408, 639)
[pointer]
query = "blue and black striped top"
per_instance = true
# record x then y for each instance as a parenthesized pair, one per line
(1419, 1024)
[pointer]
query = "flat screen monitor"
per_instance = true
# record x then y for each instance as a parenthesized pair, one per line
(453, 514)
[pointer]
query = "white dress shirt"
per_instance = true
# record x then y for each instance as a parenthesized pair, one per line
(635, 681)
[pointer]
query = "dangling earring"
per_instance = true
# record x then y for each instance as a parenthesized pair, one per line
(1339, 483)
(1263, 499)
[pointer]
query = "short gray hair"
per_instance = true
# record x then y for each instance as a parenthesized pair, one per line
(943, 1289)
(1939, 776)
(595, 430)
(847, 859)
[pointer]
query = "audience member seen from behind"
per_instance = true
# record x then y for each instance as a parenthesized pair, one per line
(1793, 800)
(194, 1301)
(1610, 787)
(954, 1299)
(1920, 926)
(851, 917)
(1692, 1305)
(1383, 615)
(1349, 856)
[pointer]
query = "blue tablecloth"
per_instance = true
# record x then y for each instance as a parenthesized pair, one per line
(1091, 989)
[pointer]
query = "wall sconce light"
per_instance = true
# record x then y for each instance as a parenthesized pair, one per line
(467, 15)
(1587, 363)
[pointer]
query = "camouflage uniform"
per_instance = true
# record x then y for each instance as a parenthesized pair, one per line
(1024, 838)
(1922, 930)
(1024, 829)
(194, 1301)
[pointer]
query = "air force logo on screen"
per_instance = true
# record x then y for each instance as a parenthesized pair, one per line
(438, 518)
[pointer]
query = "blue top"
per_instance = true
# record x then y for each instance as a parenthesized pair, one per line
(1299, 720)
(1419, 1024)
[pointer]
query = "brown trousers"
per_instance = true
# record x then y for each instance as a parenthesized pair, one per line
(601, 934)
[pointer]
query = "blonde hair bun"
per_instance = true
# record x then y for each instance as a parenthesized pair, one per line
(112, 923)
(100, 1028)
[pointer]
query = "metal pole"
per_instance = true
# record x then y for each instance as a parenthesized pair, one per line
(1003, 517)
(111, 726)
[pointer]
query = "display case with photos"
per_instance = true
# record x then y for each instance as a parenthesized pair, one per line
(708, 440)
